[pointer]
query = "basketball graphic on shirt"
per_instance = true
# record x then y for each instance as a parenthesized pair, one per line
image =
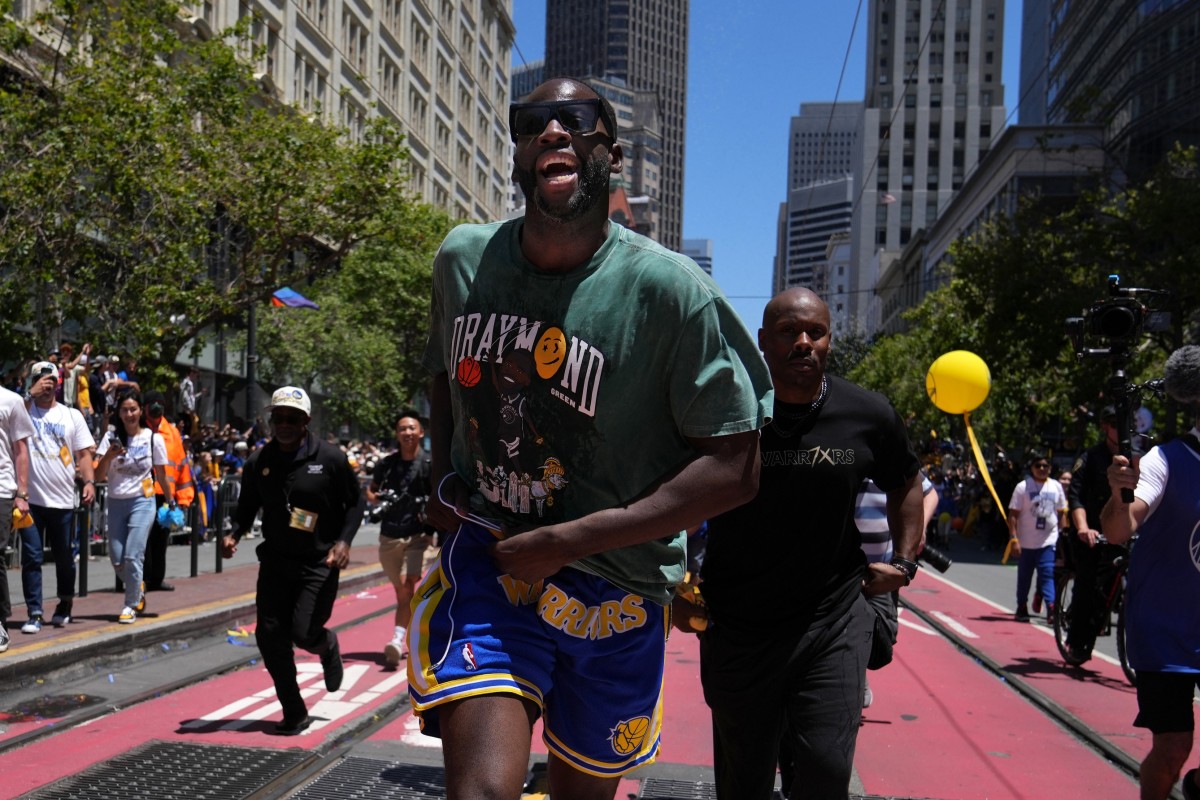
(468, 373)
(627, 737)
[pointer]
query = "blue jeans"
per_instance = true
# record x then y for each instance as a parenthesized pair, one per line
(50, 526)
(1041, 559)
(129, 521)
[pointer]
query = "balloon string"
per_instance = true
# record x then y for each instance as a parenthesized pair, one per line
(987, 478)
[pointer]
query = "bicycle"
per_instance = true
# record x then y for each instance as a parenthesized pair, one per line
(1114, 600)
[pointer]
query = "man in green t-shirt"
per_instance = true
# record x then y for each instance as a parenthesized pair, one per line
(594, 395)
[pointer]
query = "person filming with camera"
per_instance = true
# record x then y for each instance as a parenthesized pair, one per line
(1163, 630)
(398, 492)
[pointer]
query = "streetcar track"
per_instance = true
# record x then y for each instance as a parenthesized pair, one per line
(1054, 710)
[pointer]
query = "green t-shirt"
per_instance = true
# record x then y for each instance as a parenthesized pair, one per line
(573, 392)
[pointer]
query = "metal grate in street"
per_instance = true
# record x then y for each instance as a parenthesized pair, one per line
(660, 789)
(371, 779)
(169, 770)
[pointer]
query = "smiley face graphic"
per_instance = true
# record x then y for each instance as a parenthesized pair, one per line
(549, 353)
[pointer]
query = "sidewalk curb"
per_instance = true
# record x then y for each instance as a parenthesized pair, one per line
(18, 668)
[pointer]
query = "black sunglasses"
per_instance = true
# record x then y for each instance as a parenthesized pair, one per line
(1041, 466)
(578, 117)
(287, 419)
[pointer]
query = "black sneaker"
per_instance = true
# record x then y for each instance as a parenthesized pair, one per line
(331, 662)
(62, 614)
(1190, 790)
(1077, 654)
(294, 726)
(1022, 614)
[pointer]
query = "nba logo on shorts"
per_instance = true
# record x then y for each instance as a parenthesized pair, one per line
(468, 654)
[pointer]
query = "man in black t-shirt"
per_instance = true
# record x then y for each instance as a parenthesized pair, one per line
(406, 543)
(785, 576)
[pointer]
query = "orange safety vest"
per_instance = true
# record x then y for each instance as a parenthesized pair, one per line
(178, 466)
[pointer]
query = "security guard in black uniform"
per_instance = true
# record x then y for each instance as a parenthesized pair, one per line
(311, 509)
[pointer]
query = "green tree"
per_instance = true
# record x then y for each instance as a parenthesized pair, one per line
(1013, 284)
(362, 349)
(148, 189)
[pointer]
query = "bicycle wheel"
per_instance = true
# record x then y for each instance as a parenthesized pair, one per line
(1122, 649)
(1062, 612)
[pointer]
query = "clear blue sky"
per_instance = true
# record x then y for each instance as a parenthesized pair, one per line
(750, 67)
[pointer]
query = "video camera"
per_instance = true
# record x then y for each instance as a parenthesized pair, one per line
(1118, 323)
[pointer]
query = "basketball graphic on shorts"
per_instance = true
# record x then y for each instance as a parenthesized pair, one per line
(627, 736)
(469, 372)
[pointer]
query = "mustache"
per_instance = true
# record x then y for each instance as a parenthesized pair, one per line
(796, 356)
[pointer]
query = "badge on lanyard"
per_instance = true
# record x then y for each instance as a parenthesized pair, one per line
(303, 520)
(64, 453)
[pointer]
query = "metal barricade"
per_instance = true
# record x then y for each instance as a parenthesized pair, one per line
(221, 520)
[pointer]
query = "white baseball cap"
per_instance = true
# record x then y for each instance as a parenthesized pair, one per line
(43, 368)
(291, 397)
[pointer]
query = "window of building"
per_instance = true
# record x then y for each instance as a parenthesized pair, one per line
(317, 12)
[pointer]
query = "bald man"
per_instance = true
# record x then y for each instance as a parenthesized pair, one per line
(784, 661)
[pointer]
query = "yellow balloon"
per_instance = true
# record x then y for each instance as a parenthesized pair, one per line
(958, 382)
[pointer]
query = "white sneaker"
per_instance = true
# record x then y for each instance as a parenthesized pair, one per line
(393, 652)
(34, 625)
(128, 616)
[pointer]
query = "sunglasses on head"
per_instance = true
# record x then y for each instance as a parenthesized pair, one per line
(578, 117)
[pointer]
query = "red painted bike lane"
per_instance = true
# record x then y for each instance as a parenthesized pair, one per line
(943, 726)
(1097, 693)
(238, 708)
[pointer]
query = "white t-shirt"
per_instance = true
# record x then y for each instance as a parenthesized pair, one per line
(14, 426)
(1152, 476)
(59, 433)
(1035, 501)
(131, 474)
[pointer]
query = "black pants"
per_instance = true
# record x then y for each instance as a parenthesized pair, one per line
(154, 564)
(808, 684)
(6, 531)
(1094, 574)
(295, 600)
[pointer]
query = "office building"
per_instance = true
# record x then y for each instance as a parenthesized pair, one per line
(438, 69)
(934, 101)
(643, 43)
(1131, 66)
(822, 142)
(700, 251)
(822, 150)
(813, 215)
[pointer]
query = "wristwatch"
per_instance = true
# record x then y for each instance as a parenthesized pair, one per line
(23, 495)
(909, 568)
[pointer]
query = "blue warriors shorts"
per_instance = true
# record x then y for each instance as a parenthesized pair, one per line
(587, 653)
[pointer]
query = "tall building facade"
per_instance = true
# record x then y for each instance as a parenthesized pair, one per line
(700, 251)
(440, 69)
(1132, 65)
(823, 142)
(934, 102)
(822, 150)
(813, 215)
(644, 44)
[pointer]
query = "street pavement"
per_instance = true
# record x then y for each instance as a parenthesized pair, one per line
(940, 726)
